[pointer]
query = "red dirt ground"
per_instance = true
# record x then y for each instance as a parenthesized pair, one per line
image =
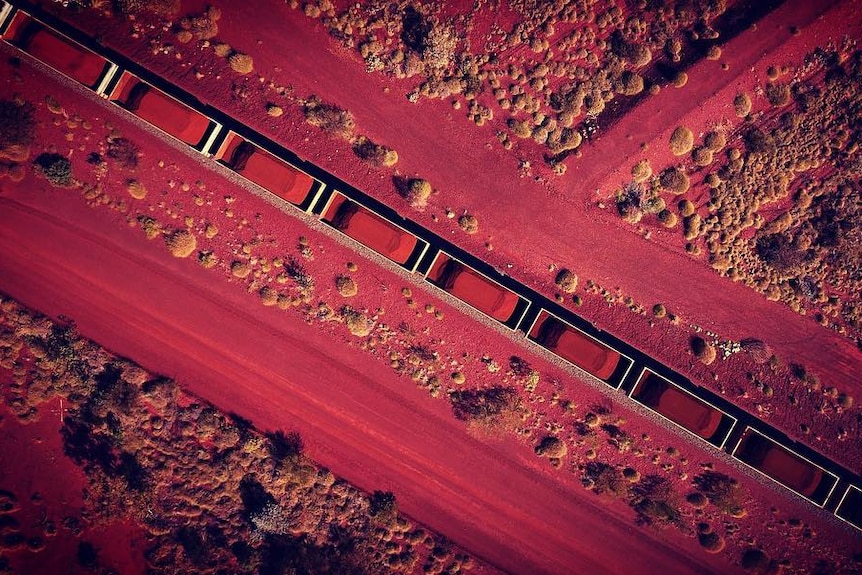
(566, 228)
(494, 497)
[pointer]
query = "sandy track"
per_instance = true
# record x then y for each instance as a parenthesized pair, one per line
(357, 418)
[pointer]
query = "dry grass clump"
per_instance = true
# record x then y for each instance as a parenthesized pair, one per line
(759, 351)
(713, 53)
(675, 181)
(346, 286)
(691, 226)
(274, 110)
(357, 322)
(151, 228)
(222, 50)
(181, 243)
(742, 105)
(703, 350)
(629, 83)
(123, 151)
(136, 189)
(491, 409)
(417, 191)
(686, 208)
(711, 542)
(659, 310)
(55, 168)
(641, 171)
(374, 154)
(778, 94)
(715, 141)
(268, 296)
(680, 79)
(207, 259)
(329, 117)
(681, 141)
(240, 269)
(241, 63)
(166, 8)
(468, 223)
(210, 231)
(551, 447)
(702, 156)
(667, 218)
(697, 500)
(567, 281)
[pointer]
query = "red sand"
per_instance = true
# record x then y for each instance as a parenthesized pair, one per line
(372, 231)
(583, 351)
(475, 289)
(70, 58)
(780, 463)
(162, 111)
(267, 171)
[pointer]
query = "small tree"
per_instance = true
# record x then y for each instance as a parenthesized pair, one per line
(284, 446)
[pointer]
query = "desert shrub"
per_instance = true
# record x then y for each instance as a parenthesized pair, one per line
(469, 223)
(374, 154)
(181, 243)
(87, 555)
(241, 63)
(604, 478)
(697, 500)
(641, 171)
(124, 151)
(760, 351)
(416, 191)
(297, 272)
(679, 79)
(57, 169)
(164, 8)
(567, 281)
(268, 296)
(715, 141)
(721, 490)
(357, 322)
(702, 350)
(654, 501)
(17, 123)
(778, 94)
(742, 105)
(675, 181)
(492, 405)
(328, 117)
(136, 189)
(702, 156)
(758, 142)
(202, 27)
(346, 286)
(552, 447)
(629, 202)
(667, 218)
(756, 561)
(629, 83)
(659, 310)
(520, 366)
(686, 208)
(711, 542)
(382, 504)
(284, 446)
(691, 226)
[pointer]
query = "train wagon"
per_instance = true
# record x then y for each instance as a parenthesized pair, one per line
(576, 347)
(683, 408)
(784, 466)
(373, 231)
(163, 111)
(850, 507)
(267, 171)
(57, 51)
(476, 290)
